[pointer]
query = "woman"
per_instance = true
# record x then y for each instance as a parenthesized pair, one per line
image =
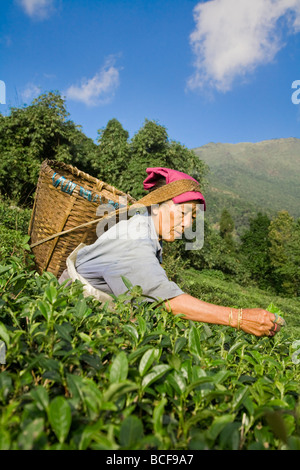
(133, 248)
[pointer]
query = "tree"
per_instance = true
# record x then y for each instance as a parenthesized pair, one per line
(226, 229)
(151, 147)
(32, 134)
(148, 148)
(255, 246)
(226, 224)
(112, 155)
(284, 237)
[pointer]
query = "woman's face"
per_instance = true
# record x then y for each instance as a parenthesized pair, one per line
(172, 219)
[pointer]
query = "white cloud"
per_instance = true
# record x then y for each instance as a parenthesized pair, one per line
(233, 37)
(38, 9)
(99, 89)
(30, 92)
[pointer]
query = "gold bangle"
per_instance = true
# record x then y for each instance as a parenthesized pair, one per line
(240, 317)
(230, 317)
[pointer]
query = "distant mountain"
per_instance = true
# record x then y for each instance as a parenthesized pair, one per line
(251, 177)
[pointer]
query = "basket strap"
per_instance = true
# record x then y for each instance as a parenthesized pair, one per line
(157, 196)
(168, 191)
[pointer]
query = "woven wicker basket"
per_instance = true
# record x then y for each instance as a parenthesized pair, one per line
(65, 211)
(65, 199)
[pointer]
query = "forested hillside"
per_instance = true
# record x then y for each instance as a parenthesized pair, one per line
(250, 177)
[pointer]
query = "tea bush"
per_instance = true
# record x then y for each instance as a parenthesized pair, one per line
(78, 376)
(14, 222)
(14, 217)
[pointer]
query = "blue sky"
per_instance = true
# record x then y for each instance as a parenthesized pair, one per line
(209, 71)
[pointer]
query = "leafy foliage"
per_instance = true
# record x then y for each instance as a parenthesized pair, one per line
(111, 157)
(32, 134)
(226, 224)
(124, 162)
(14, 223)
(79, 377)
(42, 131)
(284, 237)
(255, 248)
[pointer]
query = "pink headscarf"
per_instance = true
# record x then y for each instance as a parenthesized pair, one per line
(173, 175)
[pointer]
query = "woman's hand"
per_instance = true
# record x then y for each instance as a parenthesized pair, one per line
(260, 322)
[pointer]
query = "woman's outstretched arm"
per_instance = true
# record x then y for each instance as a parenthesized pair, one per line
(256, 321)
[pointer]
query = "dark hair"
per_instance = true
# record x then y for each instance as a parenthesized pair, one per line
(158, 184)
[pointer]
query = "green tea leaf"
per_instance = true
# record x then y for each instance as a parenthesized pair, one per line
(239, 396)
(257, 356)
(51, 293)
(179, 344)
(90, 431)
(177, 381)
(80, 308)
(30, 434)
(40, 395)
(60, 417)
(142, 325)
(146, 361)
(202, 380)
(4, 334)
(6, 385)
(273, 309)
(44, 309)
(230, 436)
(116, 390)
(126, 282)
(64, 331)
(158, 416)
(132, 332)
(218, 425)
(4, 269)
(156, 373)
(222, 375)
(75, 385)
(194, 341)
(236, 346)
(134, 355)
(92, 398)
(131, 431)
(119, 368)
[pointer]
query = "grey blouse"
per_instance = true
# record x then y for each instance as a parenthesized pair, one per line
(130, 248)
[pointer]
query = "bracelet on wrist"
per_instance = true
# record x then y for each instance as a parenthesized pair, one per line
(239, 319)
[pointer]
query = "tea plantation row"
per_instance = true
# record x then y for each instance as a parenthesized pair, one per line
(77, 376)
